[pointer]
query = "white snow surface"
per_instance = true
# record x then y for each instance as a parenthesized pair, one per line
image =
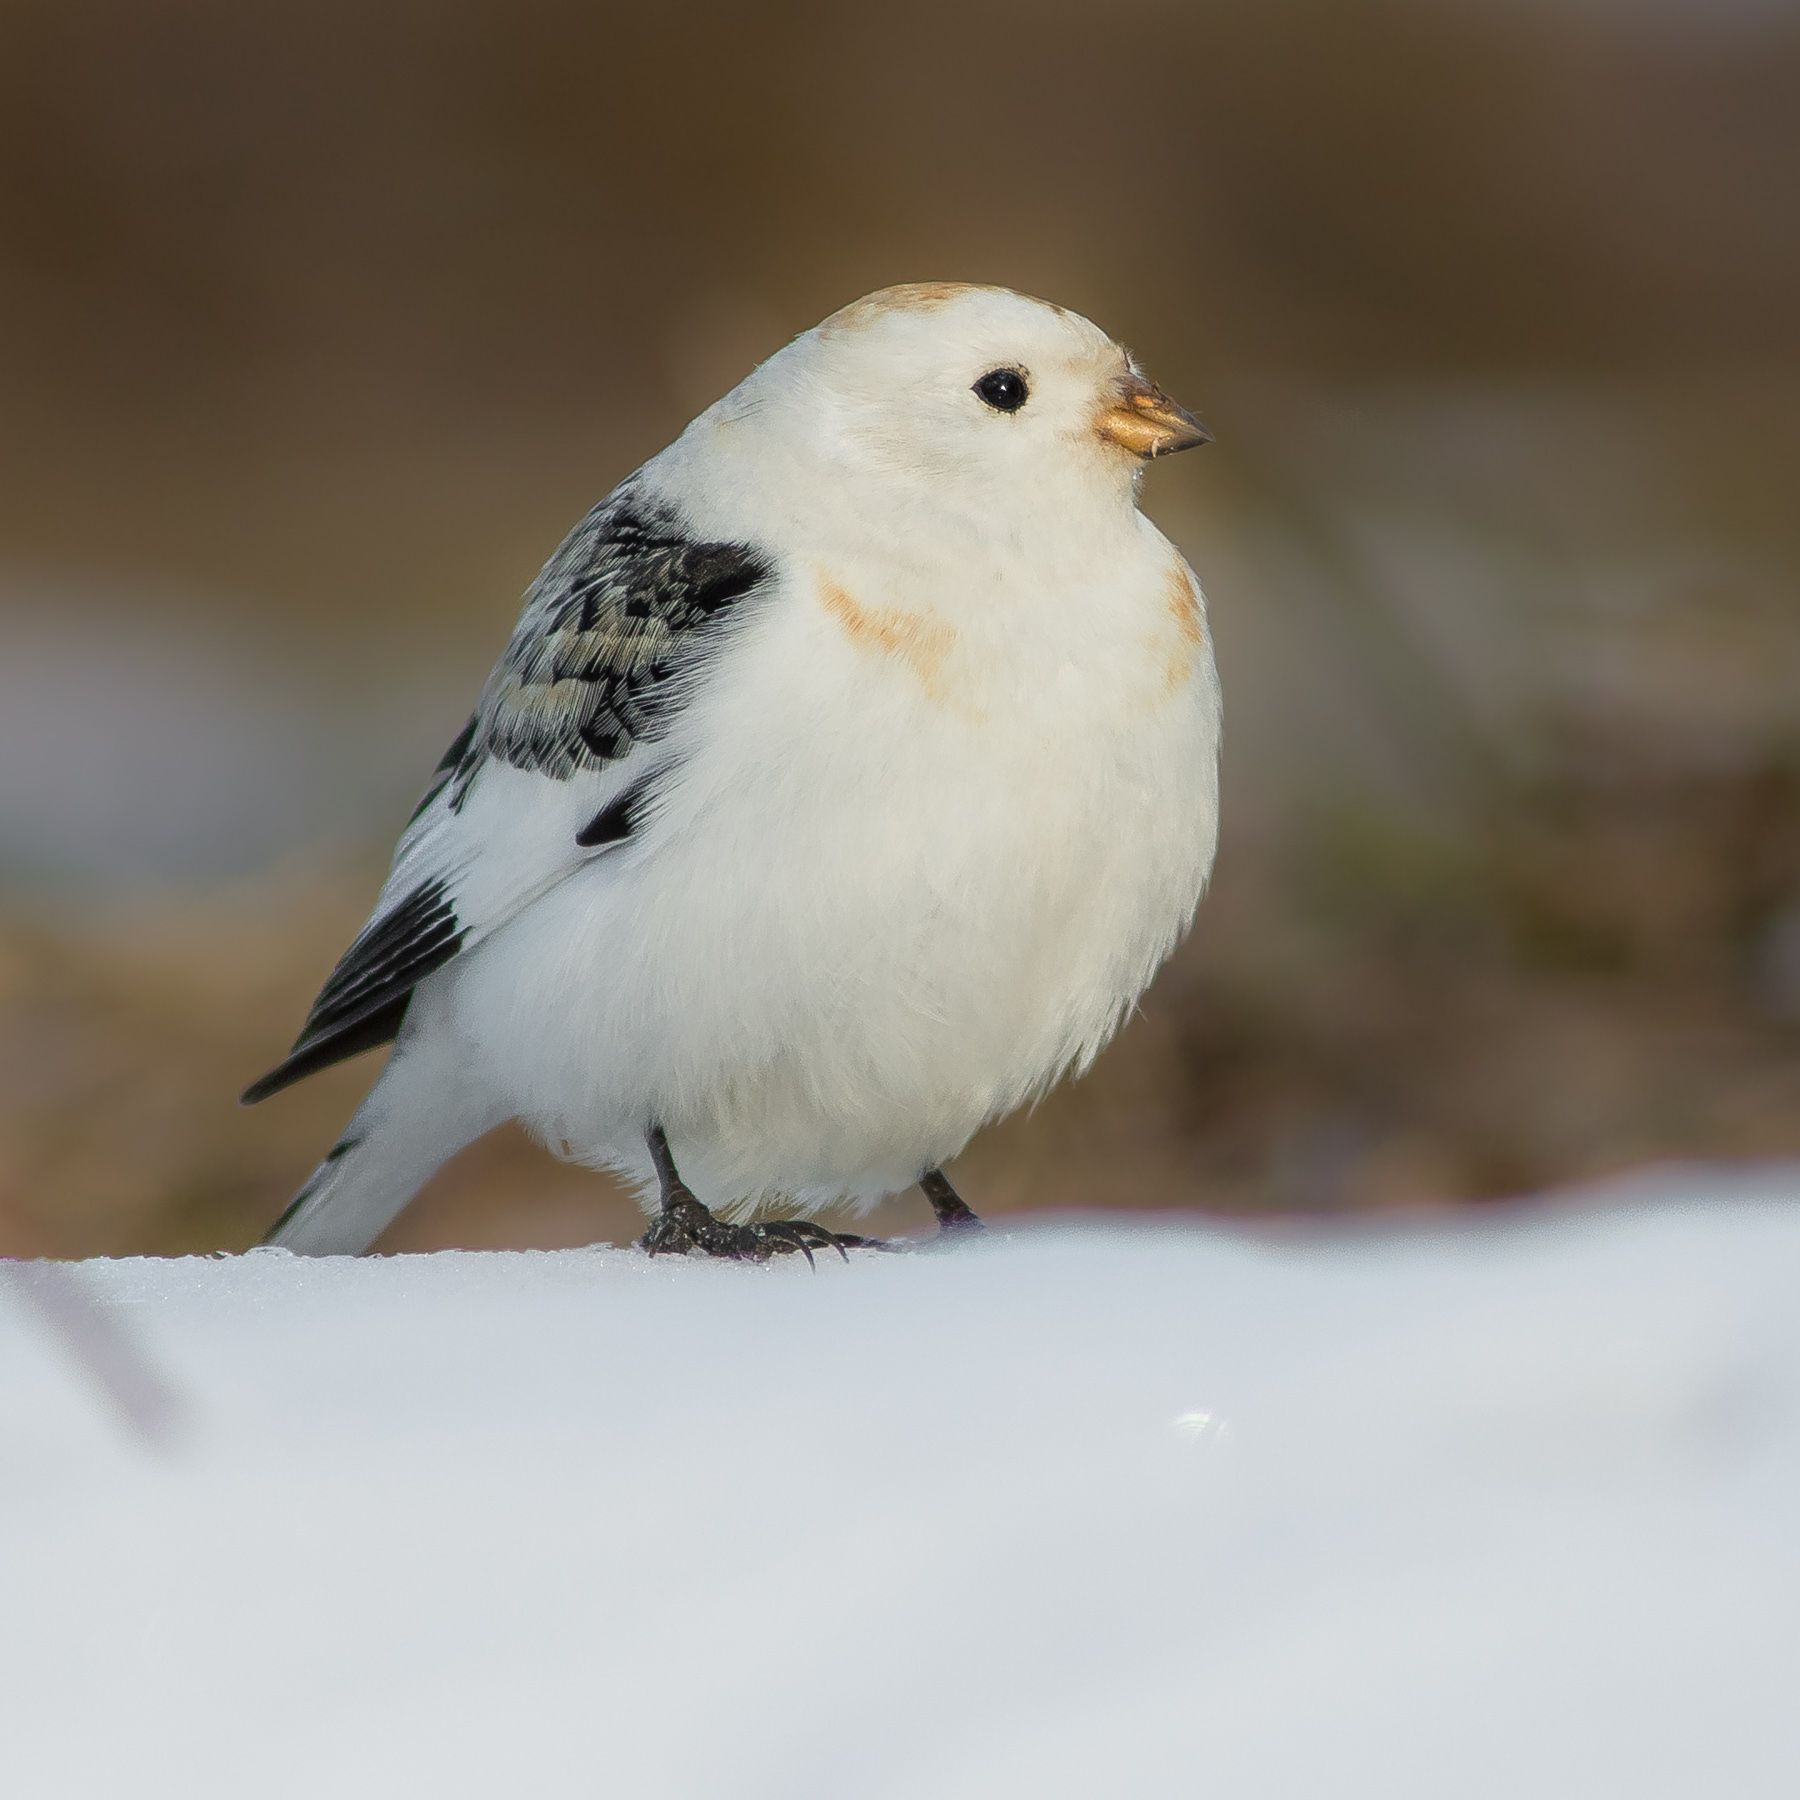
(1502, 1508)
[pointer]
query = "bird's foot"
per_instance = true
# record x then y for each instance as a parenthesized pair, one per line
(684, 1226)
(957, 1223)
(959, 1227)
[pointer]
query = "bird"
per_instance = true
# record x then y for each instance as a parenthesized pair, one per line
(850, 772)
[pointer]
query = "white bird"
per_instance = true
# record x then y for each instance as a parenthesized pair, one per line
(851, 770)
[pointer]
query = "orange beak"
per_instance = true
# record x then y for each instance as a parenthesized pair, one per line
(1145, 421)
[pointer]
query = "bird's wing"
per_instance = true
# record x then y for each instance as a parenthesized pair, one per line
(546, 773)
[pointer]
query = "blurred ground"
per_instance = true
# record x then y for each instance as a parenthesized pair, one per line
(319, 325)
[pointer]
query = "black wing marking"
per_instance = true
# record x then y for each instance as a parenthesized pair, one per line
(620, 608)
(364, 1002)
(623, 606)
(446, 769)
(615, 821)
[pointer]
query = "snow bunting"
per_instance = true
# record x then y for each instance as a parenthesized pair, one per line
(850, 772)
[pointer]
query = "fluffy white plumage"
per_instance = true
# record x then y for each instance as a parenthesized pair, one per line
(906, 840)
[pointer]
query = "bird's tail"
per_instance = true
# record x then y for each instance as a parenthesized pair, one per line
(418, 1115)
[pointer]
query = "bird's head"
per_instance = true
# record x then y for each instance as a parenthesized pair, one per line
(975, 392)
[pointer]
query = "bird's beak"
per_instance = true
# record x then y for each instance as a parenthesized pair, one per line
(1145, 421)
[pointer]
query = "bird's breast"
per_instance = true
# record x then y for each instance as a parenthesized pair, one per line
(1046, 772)
(917, 645)
(1013, 653)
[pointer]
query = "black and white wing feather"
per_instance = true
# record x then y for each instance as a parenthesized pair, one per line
(545, 774)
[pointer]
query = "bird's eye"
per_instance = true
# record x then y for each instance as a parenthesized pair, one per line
(1003, 389)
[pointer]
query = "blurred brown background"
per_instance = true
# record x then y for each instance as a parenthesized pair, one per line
(320, 323)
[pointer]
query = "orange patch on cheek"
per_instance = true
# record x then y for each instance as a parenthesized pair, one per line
(1190, 627)
(918, 642)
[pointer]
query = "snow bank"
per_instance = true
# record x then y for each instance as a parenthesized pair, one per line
(1498, 1509)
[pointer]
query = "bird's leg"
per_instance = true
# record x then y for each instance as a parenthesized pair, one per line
(682, 1224)
(953, 1214)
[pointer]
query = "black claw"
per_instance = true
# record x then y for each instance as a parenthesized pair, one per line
(828, 1240)
(684, 1226)
(784, 1234)
(849, 1239)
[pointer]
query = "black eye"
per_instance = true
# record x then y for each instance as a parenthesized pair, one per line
(1003, 389)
